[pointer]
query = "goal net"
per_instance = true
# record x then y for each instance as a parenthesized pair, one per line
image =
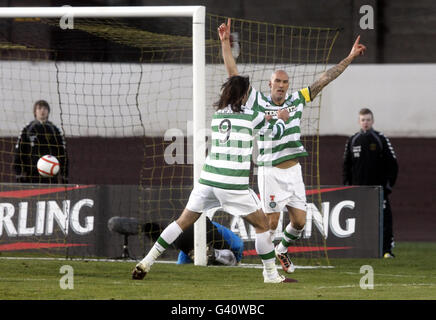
(120, 91)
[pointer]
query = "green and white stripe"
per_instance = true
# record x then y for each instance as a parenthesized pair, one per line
(228, 164)
(288, 146)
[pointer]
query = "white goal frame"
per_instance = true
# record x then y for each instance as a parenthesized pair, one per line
(198, 14)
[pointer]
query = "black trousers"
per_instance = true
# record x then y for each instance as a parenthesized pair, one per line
(214, 238)
(388, 234)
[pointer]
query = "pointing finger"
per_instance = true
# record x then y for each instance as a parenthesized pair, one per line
(357, 40)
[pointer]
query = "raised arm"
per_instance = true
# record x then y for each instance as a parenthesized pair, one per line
(229, 61)
(332, 73)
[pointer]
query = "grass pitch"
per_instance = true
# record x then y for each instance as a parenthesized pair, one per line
(410, 276)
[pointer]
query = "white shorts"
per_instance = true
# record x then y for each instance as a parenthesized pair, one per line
(281, 187)
(234, 202)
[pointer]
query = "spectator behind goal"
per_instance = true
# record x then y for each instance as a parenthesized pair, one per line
(369, 159)
(40, 137)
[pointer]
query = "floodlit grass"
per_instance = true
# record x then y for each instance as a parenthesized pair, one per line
(412, 275)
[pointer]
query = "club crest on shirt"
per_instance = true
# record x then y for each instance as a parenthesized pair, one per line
(356, 151)
(272, 203)
(32, 140)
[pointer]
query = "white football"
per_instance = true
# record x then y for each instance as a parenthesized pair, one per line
(48, 166)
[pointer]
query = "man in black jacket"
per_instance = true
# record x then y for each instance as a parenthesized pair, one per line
(369, 159)
(40, 137)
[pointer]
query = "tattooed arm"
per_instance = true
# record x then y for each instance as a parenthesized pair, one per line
(332, 73)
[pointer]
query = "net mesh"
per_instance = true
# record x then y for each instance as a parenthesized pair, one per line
(120, 91)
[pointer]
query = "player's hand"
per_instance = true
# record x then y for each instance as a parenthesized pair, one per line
(268, 117)
(358, 49)
(283, 114)
(224, 31)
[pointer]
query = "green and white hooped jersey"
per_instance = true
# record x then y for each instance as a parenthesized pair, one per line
(288, 146)
(228, 164)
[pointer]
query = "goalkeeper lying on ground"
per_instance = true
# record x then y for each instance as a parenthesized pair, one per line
(224, 246)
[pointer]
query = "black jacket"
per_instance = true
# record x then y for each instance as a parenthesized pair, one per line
(369, 159)
(36, 140)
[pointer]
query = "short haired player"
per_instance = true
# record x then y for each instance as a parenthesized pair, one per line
(280, 178)
(224, 179)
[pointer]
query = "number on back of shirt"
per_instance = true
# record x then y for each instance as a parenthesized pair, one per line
(225, 128)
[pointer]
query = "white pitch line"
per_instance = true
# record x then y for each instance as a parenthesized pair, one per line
(259, 266)
(390, 275)
(66, 259)
(24, 279)
(241, 265)
(381, 285)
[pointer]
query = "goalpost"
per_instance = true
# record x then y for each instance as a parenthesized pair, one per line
(132, 89)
